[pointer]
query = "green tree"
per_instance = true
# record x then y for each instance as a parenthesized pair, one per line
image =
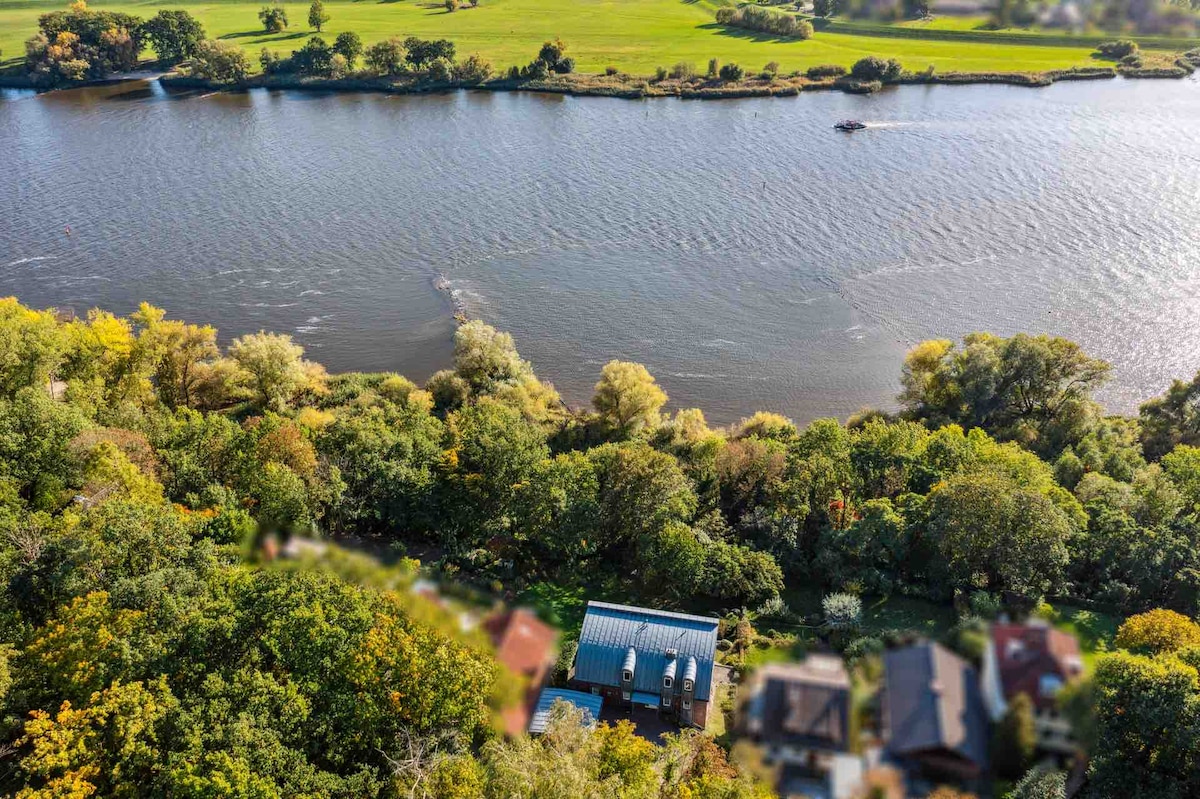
(276, 366)
(493, 452)
(1148, 713)
(1172, 419)
(314, 58)
(32, 347)
(640, 491)
(219, 61)
(387, 57)
(348, 45)
(627, 398)
(175, 35)
(486, 358)
(1032, 389)
(317, 15)
(274, 18)
(996, 535)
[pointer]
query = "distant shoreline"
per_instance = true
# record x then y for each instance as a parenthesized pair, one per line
(636, 88)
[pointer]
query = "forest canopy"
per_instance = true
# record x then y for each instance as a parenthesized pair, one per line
(140, 461)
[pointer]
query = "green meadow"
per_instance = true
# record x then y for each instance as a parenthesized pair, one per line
(634, 36)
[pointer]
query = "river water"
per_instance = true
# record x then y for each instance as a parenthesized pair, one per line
(749, 255)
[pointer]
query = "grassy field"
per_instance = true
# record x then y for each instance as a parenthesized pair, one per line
(633, 35)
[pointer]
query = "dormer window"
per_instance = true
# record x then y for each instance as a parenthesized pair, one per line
(627, 676)
(687, 685)
(667, 682)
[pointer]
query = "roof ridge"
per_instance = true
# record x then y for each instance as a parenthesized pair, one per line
(668, 614)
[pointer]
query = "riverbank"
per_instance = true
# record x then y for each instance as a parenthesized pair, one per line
(634, 87)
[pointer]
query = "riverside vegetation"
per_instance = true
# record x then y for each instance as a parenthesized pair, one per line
(781, 41)
(143, 654)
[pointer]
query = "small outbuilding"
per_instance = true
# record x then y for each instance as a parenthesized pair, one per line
(588, 703)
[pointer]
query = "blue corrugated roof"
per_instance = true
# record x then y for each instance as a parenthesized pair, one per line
(609, 630)
(640, 698)
(588, 703)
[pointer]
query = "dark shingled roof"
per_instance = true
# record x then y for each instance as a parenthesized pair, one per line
(609, 630)
(932, 701)
(803, 704)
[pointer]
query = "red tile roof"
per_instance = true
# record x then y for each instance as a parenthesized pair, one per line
(526, 646)
(1025, 653)
(523, 642)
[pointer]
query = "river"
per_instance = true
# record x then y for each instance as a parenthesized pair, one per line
(749, 255)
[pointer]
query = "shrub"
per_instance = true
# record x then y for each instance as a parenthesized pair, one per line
(273, 63)
(825, 71)
(767, 21)
(772, 68)
(1015, 739)
(714, 67)
(564, 66)
(387, 57)
(552, 52)
(440, 71)
(514, 73)
(274, 18)
(1117, 49)
(219, 61)
(842, 611)
(349, 46)
(611, 70)
(732, 72)
(473, 69)
(1131, 60)
(451, 5)
(683, 70)
(660, 73)
(1158, 631)
(339, 67)
(536, 70)
(774, 608)
(875, 68)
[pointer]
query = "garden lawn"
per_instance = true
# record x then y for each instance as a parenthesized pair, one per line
(635, 36)
(1094, 630)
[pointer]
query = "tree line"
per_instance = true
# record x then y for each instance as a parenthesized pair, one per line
(136, 455)
(145, 650)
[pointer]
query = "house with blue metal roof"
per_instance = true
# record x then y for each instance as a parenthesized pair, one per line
(650, 658)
